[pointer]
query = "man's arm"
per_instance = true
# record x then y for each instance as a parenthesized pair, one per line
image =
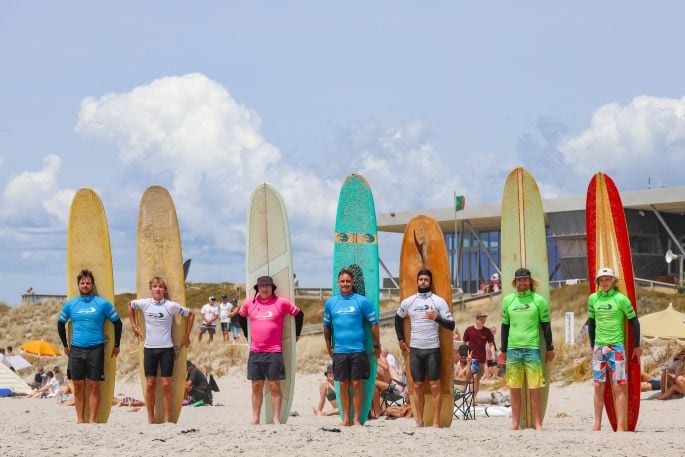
(591, 331)
(189, 327)
(118, 327)
(62, 332)
(327, 338)
(299, 323)
(375, 333)
(133, 321)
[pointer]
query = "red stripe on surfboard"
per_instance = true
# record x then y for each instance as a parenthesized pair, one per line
(591, 229)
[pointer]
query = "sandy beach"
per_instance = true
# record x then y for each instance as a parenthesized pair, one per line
(39, 427)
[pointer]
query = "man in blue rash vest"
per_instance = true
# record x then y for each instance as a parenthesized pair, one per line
(344, 315)
(427, 312)
(86, 351)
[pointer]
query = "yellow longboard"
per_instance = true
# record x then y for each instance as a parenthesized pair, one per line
(524, 244)
(423, 246)
(88, 248)
(159, 254)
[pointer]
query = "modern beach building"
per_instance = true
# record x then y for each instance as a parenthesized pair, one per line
(655, 218)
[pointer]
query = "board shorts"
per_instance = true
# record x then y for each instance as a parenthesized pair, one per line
(422, 361)
(224, 327)
(265, 365)
(207, 328)
(524, 365)
(611, 358)
(235, 330)
(87, 363)
(161, 359)
(351, 366)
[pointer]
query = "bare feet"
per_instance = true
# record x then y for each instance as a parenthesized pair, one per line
(436, 424)
(356, 422)
(597, 428)
(316, 411)
(514, 426)
(254, 421)
(538, 427)
(345, 423)
(419, 423)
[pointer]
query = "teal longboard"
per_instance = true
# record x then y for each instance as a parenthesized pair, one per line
(524, 244)
(356, 246)
(269, 254)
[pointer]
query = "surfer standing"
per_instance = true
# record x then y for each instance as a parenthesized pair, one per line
(87, 349)
(427, 313)
(266, 312)
(344, 316)
(158, 352)
(606, 310)
(523, 312)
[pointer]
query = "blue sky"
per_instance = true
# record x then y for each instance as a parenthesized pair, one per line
(212, 98)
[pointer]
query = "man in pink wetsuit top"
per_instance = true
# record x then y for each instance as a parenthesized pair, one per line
(266, 312)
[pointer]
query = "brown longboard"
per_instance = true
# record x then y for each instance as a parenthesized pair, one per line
(423, 246)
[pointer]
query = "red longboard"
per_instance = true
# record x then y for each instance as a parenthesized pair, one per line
(608, 245)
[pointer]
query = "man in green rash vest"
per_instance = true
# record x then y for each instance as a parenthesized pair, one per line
(606, 309)
(523, 312)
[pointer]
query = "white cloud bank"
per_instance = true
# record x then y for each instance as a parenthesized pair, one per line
(643, 139)
(34, 199)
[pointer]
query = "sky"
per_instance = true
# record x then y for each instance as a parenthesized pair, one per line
(211, 98)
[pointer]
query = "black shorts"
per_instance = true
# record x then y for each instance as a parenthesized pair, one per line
(158, 358)
(87, 363)
(265, 365)
(422, 361)
(352, 366)
(224, 326)
(208, 328)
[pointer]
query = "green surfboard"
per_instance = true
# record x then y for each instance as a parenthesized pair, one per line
(356, 246)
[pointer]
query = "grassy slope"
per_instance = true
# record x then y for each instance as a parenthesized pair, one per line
(27, 322)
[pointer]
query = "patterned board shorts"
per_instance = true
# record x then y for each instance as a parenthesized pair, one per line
(613, 356)
(524, 364)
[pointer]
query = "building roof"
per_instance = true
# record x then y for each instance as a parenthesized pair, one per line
(487, 216)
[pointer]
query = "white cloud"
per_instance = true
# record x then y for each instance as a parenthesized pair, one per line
(190, 134)
(34, 199)
(645, 138)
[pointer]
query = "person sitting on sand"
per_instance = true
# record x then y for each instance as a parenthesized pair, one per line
(463, 367)
(386, 378)
(49, 389)
(327, 392)
(65, 397)
(673, 378)
(127, 401)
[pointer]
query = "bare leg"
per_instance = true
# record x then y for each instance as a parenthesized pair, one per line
(599, 405)
(257, 398)
(620, 399)
(80, 399)
(166, 397)
(437, 401)
(93, 399)
(476, 384)
(357, 401)
(151, 384)
(199, 336)
(419, 400)
(276, 400)
(536, 405)
(345, 402)
(515, 398)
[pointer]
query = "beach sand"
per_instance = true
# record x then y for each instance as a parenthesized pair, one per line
(40, 427)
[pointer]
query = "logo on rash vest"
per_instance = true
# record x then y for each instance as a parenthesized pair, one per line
(606, 307)
(86, 310)
(155, 315)
(422, 308)
(519, 308)
(350, 310)
(268, 315)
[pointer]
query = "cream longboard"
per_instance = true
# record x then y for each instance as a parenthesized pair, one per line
(269, 254)
(524, 244)
(88, 248)
(159, 254)
(423, 246)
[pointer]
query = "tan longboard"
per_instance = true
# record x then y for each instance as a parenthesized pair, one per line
(159, 254)
(88, 248)
(269, 254)
(423, 246)
(524, 244)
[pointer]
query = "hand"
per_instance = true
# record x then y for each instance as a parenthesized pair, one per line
(330, 352)
(504, 357)
(403, 346)
(297, 338)
(550, 355)
(376, 351)
(115, 352)
(66, 350)
(637, 352)
(186, 341)
(431, 314)
(136, 331)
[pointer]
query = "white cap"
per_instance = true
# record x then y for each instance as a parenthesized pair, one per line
(605, 272)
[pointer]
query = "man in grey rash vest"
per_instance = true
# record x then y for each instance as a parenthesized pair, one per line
(427, 312)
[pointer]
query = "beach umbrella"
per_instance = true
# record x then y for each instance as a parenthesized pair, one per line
(666, 325)
(18, 362)
(40, 347)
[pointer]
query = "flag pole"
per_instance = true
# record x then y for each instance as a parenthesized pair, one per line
(455, 240)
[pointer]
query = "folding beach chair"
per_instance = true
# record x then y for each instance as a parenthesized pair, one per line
(391, 396)
(464, 406)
